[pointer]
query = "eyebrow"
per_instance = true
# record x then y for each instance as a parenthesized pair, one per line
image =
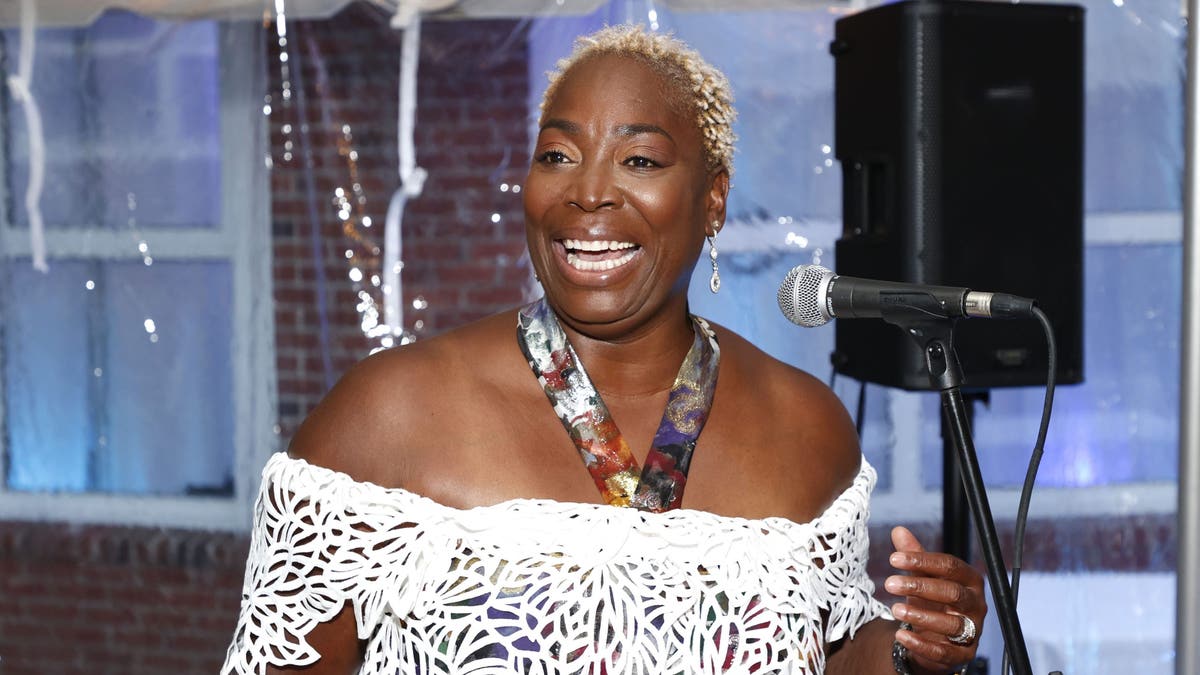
(635, 129)
(561, 124)
(626, 130)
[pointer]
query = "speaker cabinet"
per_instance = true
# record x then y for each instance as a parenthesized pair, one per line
(959, 128)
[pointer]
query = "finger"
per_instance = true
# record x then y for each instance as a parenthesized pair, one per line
(912, 601)
(940, 565)
(941, 623)
(904, 540)
(935, 652)
(937, 591)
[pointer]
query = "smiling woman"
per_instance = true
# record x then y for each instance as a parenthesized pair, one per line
(432, 515)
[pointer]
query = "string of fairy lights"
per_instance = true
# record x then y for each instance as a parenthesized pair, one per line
(362, 250)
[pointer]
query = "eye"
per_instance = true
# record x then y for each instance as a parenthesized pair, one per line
(641, 162)
(552, 157)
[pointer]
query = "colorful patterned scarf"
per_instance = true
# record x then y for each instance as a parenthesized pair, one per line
(659, 485)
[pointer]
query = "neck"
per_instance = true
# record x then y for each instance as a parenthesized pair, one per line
(641, 363)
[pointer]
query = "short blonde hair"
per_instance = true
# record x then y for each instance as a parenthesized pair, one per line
(699, 86)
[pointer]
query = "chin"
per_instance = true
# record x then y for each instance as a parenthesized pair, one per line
(606, 314)
(589, 307)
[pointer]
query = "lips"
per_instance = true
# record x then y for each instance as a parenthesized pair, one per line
(598, 255)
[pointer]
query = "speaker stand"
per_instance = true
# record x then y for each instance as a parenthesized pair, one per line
(936, 338)
(956, 519)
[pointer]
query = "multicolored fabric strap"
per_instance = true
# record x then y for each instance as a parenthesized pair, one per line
(659, 485)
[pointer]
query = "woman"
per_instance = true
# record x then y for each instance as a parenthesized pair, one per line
(434, 517)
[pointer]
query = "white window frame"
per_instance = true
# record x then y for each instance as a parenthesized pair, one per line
(242, 237)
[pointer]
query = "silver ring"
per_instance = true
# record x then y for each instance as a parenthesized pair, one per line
(967, 635)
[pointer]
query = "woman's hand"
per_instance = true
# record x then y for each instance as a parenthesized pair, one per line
(943, 600)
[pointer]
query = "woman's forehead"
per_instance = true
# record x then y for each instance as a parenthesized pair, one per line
(618, 86)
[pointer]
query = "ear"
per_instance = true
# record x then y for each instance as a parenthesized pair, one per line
(718, 192)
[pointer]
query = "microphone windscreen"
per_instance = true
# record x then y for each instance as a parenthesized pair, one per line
(802, 295)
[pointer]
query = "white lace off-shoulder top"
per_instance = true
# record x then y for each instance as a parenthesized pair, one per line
(539, 586)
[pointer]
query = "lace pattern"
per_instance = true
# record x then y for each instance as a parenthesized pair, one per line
(537, 586)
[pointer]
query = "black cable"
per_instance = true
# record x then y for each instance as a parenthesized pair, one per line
(861, 409)
(1035, 461)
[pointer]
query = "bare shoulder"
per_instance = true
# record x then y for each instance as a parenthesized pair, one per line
(797, 409)
(382, 408)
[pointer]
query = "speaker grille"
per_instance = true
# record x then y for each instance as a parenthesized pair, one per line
(974, 112)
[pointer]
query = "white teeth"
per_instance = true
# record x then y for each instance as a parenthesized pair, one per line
(598, 265)
(580, 245)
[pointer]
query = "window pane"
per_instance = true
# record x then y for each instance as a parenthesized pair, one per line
(1119, 427)
(1134, 105)
(48, 385)
(123, 388)
(130, 115)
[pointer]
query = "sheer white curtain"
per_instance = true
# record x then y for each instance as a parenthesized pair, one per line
(82, 12)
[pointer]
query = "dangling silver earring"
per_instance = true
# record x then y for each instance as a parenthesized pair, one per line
(714, 282)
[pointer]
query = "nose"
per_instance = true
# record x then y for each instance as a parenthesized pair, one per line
(594, 187)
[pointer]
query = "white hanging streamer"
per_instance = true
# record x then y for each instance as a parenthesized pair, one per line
(20, 85)
(412, 177)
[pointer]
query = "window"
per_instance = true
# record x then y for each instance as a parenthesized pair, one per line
(136, 376)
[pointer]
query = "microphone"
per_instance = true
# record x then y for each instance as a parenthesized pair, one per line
(811, 295)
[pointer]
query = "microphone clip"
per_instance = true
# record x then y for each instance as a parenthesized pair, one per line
(935, 337)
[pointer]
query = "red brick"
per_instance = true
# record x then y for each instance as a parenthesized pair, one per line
(51, 608)
(289, 251)
(168, 662)
(80, 634)
(516, 274)
(107, 615)
(490, 248)
(284, 272)
(298, 340)
(498, 298)
(300, 386)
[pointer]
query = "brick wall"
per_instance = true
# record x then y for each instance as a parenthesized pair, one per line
(138, 601)
(95, 600)
(463, 236)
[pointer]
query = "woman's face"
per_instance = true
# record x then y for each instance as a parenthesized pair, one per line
(618, 200)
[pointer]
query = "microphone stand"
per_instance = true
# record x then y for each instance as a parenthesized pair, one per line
(935, 335)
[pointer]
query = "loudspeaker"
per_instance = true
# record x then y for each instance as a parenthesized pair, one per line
(959, 128)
